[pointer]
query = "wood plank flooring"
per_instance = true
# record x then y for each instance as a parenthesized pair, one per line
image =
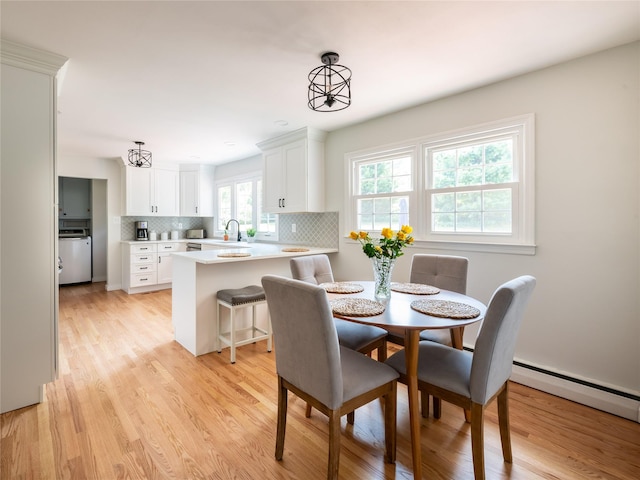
(130, 403)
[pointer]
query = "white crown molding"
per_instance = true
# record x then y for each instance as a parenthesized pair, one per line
(30, 58)
(302, 133)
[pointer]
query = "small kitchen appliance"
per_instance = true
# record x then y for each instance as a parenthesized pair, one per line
(196, 233)
(142, 231)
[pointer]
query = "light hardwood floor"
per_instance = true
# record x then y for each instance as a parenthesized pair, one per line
(132, 403)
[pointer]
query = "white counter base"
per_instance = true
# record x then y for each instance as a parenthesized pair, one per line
(194, 293)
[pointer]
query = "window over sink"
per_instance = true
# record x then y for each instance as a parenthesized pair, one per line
(241, 198)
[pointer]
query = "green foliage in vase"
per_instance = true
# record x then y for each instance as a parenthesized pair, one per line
(390, 244)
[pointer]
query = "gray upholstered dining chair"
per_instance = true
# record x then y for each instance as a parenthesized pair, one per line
(312, 364)
(448, 272)
(316, 269)
(473, 380)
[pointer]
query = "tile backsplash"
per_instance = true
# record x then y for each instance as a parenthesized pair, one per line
(312, 229)
(164, 224)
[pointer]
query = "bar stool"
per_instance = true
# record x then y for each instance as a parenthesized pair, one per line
(234, 299)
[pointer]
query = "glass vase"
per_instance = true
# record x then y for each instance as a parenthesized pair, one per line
(382, 269)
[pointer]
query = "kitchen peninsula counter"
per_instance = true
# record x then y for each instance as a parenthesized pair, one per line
(198, 275)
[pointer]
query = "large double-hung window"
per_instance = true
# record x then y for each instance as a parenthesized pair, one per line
(383, 189)
(471, 186)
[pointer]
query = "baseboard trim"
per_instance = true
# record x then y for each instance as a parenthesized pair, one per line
(606, 399)
(110, 287)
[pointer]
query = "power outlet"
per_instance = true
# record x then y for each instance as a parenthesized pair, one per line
(293, 228)
(179, 225)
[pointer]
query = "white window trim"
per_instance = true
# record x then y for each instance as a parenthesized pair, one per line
(377, 154)
(525, 203)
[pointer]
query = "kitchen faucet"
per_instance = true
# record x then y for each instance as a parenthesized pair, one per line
(239, 233)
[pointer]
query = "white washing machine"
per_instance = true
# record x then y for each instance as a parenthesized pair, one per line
(74, 250)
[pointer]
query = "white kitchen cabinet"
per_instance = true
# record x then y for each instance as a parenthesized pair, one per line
(142, 266)
(196, 191)
(293, 172)
(74, 198)
(147, 266)
(151, 191)
(28, 195)
(165, 261)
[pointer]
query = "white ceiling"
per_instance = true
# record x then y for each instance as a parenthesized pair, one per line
(189, 77)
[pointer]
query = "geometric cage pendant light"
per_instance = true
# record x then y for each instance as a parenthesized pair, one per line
(139, 158)
(329, 85)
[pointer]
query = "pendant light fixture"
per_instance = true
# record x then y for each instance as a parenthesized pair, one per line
(139, 158)
(329, 85)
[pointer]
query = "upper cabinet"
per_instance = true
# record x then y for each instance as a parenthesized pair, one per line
(293, 172)
(74, 197)
(151, 191)
(196, 190)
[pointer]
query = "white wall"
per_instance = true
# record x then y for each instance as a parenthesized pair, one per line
(99, 232)
(584, 319)
(246, 166)
(103, 169)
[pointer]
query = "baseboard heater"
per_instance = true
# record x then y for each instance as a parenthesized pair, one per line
(611, 400)
(579, 381)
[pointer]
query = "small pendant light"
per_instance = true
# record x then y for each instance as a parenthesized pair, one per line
(139, 158)
(329, 85)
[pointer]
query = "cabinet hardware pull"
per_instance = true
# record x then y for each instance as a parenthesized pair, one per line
(144, 279)
(196, 209)
(283, 203)
(143, 268)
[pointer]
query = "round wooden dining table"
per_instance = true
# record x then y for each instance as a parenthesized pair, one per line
(400, 318)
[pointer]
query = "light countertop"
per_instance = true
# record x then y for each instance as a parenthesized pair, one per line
(258, 251)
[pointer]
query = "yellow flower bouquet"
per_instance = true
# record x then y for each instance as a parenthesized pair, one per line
(389, 245)
(383, 254)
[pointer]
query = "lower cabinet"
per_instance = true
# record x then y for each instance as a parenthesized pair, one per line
(147, 266)
(165, 261)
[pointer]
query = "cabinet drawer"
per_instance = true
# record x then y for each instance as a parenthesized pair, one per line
(144, 248)
(143, 267)
(168, 247)
(141, 279)
(144, 258)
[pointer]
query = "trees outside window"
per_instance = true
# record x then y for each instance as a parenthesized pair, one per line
(474, 185)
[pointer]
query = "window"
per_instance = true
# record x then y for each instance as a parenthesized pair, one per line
(383, 189)
(474, 186)
(241, 199)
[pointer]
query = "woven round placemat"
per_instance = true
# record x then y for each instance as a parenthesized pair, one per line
(445, 309)
(414, 288)
(356, 307)
(234, 254)
(342, 287)
(295, 249)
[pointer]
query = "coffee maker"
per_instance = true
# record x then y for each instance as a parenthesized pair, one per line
(142, 232)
